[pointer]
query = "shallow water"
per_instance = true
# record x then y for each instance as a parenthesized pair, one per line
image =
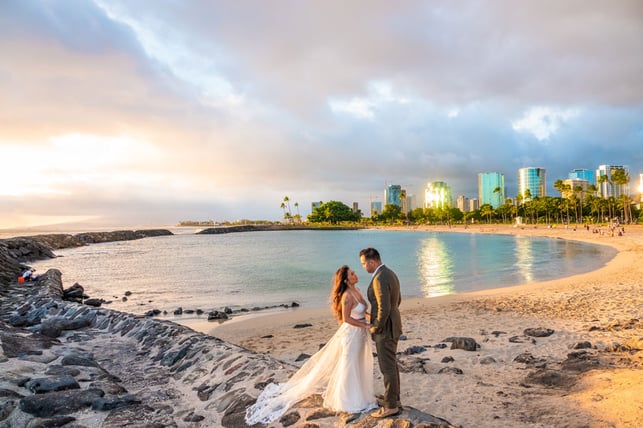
(257, 269)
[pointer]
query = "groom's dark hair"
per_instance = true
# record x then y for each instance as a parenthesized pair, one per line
(370, 253)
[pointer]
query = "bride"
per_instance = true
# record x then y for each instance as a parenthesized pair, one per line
(342, 371)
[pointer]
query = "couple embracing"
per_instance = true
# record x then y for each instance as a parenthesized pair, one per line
(342, 371)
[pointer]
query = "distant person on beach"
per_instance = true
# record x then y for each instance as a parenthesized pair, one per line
(28, 275)
(386, 327)
(342, 371)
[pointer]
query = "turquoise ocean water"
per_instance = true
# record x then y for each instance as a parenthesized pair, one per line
(244, 270)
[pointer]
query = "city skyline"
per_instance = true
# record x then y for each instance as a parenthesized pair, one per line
(151, 112)
(634, 185)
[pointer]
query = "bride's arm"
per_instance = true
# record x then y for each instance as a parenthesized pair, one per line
(348, 303)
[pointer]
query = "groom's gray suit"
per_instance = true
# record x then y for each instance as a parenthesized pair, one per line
(385, 298)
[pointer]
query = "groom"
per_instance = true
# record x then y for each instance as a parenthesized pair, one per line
(386, 326)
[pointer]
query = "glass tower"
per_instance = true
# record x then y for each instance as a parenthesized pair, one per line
(488, 182)
(376, 208)
(437, 195)
(583, 174)
(392, 195)
(532, 179)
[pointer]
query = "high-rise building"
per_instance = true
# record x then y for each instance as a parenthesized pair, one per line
(376, 208)
(582, 174)
(462, 202)
(474, 204)
(392, 195)
(355, 207)
(410, 202)
(606, 186)
(491, 188)
(437, 195)
(532, 183)
(577, 187)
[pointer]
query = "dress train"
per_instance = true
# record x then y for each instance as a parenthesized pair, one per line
(342, 371)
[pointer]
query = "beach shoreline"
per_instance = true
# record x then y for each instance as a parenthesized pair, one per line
(601, 308)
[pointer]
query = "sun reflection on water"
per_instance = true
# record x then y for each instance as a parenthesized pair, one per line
(524, 258)
(435, 267)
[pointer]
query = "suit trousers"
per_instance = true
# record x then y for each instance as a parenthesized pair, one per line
(386, 348)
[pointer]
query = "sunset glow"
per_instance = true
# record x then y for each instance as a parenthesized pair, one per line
(150, 113)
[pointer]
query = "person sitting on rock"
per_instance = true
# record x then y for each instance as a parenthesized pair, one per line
(28, 275)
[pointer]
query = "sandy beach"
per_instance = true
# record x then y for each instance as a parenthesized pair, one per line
(587, 373)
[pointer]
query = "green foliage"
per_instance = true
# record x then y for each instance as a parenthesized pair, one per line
(391, 213)
(334, 212)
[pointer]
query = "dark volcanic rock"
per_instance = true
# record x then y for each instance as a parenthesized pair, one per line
(453, 370)
(52, 383)
(304, 325)
(59, 402)
(14, 345)
(112, 403)
(119, 235)
(414, 350)
(54, 326)
(75, 360)
(94, 302)
(466, 343)
(580, 361)
(538, 332)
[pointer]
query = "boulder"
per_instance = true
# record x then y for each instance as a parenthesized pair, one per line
(466, 343)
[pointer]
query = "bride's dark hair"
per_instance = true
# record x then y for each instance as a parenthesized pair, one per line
(339, 287)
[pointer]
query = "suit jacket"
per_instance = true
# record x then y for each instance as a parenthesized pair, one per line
(385, 298)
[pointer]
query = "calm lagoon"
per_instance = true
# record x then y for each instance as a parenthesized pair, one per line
(257, 269)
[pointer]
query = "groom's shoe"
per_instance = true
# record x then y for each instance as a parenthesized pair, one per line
(383, 412)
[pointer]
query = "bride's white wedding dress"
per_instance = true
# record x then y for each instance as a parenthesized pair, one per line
(342, 371)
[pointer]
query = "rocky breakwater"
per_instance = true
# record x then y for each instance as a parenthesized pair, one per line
(15, 252)
(58, 240)
(268, 227)
(69, 364)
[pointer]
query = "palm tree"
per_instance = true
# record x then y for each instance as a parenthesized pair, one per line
(579, 190)
(298, 216)
(527, 199)
(404, 207)
(498, 191)
(564, 190)
(486, 210)
(519, 200)
(591, 189)
(288, 214)
(622, 178)
(607, 179)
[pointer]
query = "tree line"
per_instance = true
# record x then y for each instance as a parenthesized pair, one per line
(577, 208)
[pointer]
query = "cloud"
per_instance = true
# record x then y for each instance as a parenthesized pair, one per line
(542, 122)
(219, 109)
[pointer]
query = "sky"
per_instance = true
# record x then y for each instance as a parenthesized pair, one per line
(150, 112)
